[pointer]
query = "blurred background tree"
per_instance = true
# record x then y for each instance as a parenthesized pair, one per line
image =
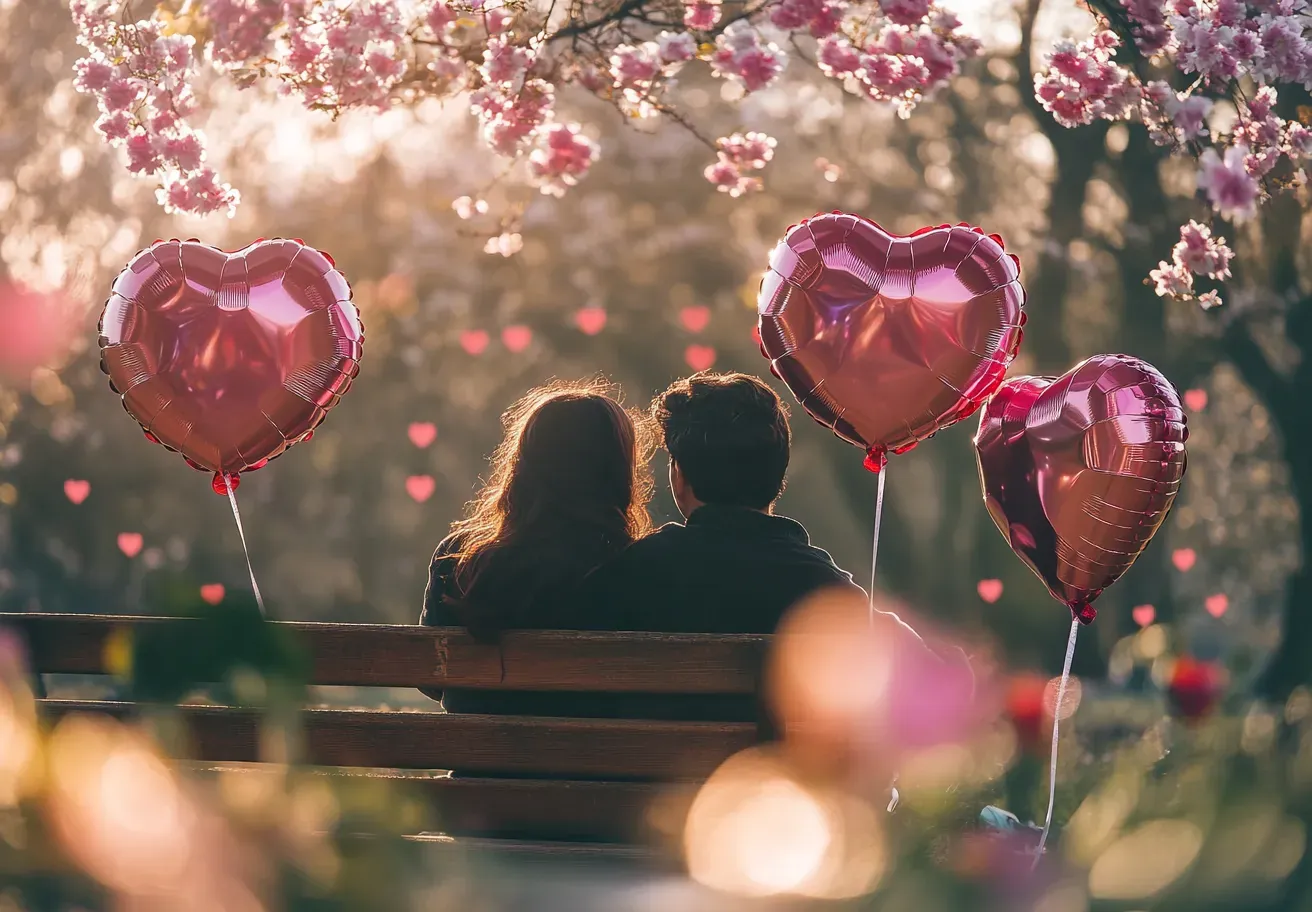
(335, 530)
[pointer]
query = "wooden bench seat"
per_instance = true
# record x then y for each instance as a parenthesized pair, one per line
(563, 802)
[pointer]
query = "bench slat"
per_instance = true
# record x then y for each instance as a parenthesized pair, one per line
(578, 748)
(534, 809)
(378, 655)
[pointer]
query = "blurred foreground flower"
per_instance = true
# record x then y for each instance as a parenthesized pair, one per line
(870, 698)
(1195, 687)
(37, 330)
(758, 828)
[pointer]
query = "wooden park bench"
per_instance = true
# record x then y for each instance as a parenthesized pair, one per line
(563, 796)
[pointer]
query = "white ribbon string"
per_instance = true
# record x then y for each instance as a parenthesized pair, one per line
(1052, 758)
(874, 547)
(874, 559)
(236, 514)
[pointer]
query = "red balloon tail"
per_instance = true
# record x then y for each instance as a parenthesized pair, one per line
(876, 459)
(222, 482)
(1084, 612)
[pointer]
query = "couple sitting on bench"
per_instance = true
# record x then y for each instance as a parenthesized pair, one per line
(560, 538)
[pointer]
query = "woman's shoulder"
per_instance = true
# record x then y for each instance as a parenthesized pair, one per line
(449, 547)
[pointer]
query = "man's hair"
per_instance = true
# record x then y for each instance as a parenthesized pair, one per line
(729, 435)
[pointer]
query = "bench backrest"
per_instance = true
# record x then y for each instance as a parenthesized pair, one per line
(544, 750)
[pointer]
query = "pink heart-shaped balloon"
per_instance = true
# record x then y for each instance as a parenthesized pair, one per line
(1184, 559)
(230, 358)
(888, 339)
(1143, 614)
(212, 593)
(1217, 604)
(1079, 471)
(990, 590)
(1195, 399)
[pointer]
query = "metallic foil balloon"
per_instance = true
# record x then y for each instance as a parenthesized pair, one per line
(230, 358)
(1079, 471)
(888, 339)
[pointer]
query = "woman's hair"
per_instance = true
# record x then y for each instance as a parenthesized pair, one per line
(568, 489)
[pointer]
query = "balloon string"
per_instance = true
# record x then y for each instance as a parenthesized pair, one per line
(874, 547)
(1052, 757)
(236, 514)
(874, 559)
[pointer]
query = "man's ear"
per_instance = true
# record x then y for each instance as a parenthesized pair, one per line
(678, 482)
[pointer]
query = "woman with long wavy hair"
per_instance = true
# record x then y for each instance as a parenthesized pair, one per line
(568, 490)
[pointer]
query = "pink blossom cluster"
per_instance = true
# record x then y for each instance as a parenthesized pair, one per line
(1197, 253)
(740, 55)
(701, 15)
(642, 71)
(242, 30)
(1082, 83)
(562, 158)
(346, 56)
(511, 117)
(140, 78)
(1221, 40)
(819, 17)
(737, 154)
(906, 59)
(1150, 31)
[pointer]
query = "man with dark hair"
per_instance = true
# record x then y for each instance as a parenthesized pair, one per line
(732, 566)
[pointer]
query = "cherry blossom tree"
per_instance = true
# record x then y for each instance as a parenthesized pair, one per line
(508, 60)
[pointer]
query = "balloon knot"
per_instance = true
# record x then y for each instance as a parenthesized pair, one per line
(220, 486)
(1084, 613)
(876, 459)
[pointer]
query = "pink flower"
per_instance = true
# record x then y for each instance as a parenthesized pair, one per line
(635, 67)
(439, 16)
(186, 152)
(740, 56)
(675, 47)
(1190, 115)
(498, 20)
(114, 126)
(1210, 299)
(1171, 280)
(504, 63)
(1082, 84)
(837, 57)
(821, 17)
(726, 177)
(1150, 31)
(1201, 253)
(199, 193)
(92, 74)
(701, 15)
(905, 12)
(752, 151)
(510, 119)
(1232, 191)
(142, 158)
(120, 94)
(562, 159)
